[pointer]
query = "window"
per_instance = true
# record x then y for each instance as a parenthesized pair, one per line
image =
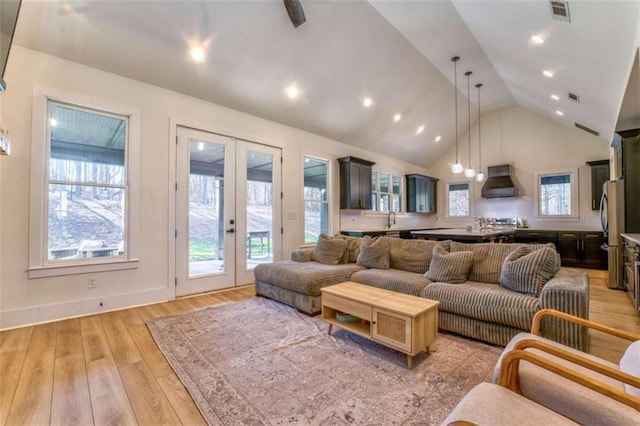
(83, 212)
(385, 190)
(557, 194)
(316, 198)
(458, 201)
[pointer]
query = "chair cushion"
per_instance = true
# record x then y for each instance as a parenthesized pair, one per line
(566, 397)
(374, 253)
(449, 267)
(392, 279)
(329, 250)
(486, 302)
(630, 363)
(526, 270)
(303, 277)
(490, 404)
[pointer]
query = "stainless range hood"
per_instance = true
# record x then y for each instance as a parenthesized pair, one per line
(499, 183)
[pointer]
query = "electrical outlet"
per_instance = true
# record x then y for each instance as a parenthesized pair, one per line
(92, 283)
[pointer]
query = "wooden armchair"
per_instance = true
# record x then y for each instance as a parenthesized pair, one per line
(503, 403)
(559, 393)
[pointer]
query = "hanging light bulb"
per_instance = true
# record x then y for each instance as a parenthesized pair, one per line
(480, 176)
(469, 172)
(457, 167)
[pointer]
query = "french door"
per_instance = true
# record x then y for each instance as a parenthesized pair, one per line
(228, 210)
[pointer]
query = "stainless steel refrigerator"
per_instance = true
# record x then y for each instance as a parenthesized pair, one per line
(612, 217)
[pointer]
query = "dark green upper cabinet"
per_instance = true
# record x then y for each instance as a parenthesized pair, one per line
(355, 183)
(421, 193)
(599, 175)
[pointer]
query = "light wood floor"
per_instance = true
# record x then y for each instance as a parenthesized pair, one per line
(106, 368)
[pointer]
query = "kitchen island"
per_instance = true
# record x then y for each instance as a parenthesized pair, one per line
(462, 235)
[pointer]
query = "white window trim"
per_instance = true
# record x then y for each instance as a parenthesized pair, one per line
(402, 195)
(446, 200)
(575, 202)
(329, 192)
(38, 247)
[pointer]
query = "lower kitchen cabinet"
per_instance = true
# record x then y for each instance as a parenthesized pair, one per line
(581, 249)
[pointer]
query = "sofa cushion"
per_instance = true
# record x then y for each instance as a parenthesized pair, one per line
(412, 255)
(449, 267)
(353, 248)
(527, 270)
(630, 364)
(374, 253)
(486, 302)
(304, 277)
(329, 250)
(392, 279)
(487, 259)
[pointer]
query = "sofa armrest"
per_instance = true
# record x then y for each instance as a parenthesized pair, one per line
(302, 254)
(567, 291)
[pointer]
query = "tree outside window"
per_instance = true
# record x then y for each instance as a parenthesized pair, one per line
(458, 200)
(555, 195)
(386, 192)
(316, 198)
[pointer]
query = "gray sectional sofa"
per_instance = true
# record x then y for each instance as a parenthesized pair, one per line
(480, 307)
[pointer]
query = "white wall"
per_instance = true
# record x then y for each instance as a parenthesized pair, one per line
(530, 143)
(26, 300)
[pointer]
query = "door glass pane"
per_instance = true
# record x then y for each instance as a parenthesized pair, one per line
(206, 208)
(259, 208)
(316, 206)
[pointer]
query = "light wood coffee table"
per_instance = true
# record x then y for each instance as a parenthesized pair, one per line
(406, 323)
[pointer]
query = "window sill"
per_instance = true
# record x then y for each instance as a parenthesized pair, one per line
(75, 268)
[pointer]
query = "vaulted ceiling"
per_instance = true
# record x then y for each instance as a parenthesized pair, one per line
(398, 53)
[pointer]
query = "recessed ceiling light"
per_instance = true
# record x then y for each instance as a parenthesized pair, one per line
(438, 138)
(560, 113)
(367, 102)
(197, 53)
(292, 91)
(536, 39)
(53, 122)
(397, 117)
(555, 97)
(420, 129)
(547, 73)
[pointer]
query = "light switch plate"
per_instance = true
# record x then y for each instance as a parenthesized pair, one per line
(292, 215)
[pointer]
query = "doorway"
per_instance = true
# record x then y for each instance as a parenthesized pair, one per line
(228, 210)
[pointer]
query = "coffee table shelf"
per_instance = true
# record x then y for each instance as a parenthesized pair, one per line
(400, 321)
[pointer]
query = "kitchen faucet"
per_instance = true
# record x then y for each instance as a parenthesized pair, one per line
(389, 219)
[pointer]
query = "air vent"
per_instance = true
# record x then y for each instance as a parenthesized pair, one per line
(560, 11)
(574, 97)
(586, 129)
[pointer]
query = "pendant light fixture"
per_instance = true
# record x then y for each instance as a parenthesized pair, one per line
(457, 167)
(480, 176)
(469, 172)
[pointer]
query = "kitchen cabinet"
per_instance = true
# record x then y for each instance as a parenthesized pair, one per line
(355, 183)
(582, 249)
(421, 193)
(599, 175)
(536, 236)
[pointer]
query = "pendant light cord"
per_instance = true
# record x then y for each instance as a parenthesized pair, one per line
(455, 88)
(468, 74)
(479, 85)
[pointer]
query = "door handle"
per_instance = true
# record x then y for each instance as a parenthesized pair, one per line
(230, 231)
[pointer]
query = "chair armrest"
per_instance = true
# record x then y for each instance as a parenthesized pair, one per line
(302, 254)
(535, 328)
(560, 352)
(509, 377)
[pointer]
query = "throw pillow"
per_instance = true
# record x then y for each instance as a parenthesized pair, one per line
(448, 267)
(374, 253)
(526, 270)
(329, 251)
(630, 364)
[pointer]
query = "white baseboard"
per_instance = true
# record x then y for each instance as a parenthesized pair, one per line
(77, 308)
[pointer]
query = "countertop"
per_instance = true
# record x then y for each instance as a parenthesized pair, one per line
(462, 232)
(632, 237)
(392, 229)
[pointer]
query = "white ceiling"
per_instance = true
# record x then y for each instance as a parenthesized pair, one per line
(396, 52)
